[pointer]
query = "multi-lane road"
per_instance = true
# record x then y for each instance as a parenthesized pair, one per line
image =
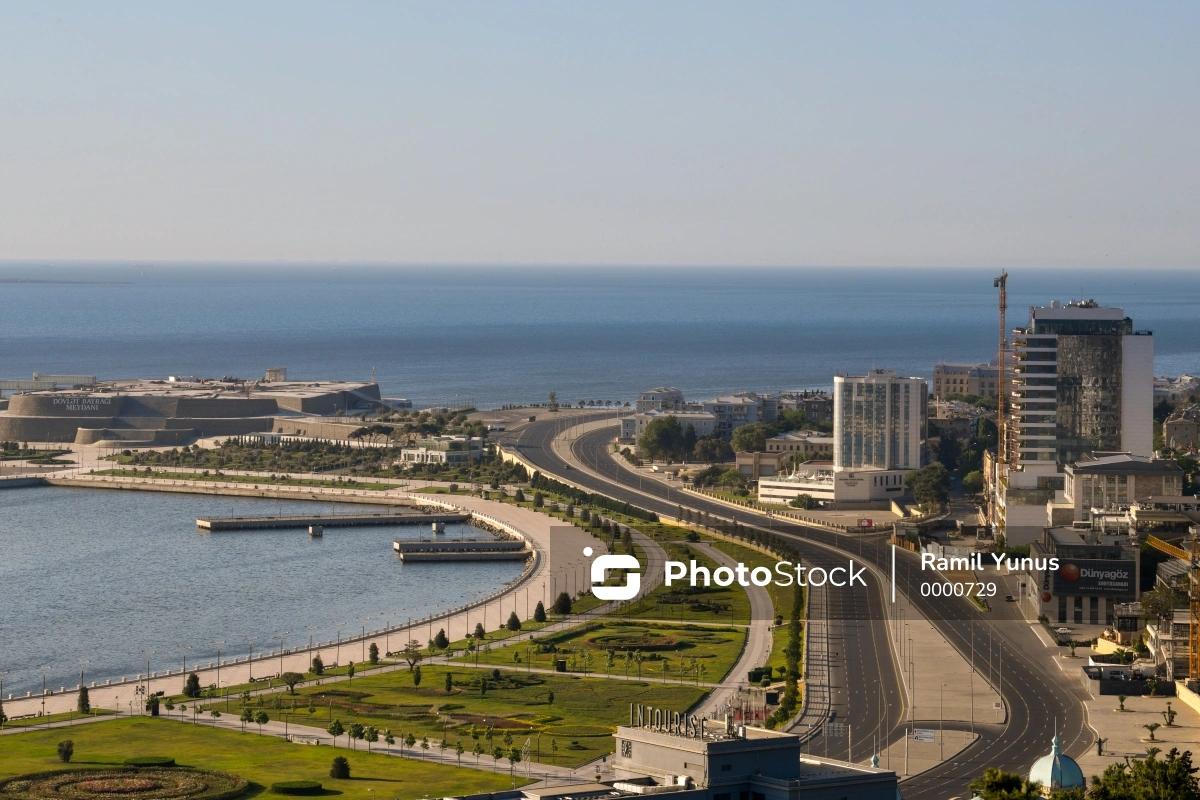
(866, 690)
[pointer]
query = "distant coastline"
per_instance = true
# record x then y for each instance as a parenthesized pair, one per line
(83, 283)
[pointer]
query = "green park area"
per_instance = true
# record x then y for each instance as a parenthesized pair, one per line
(611, 646)
(568, 719)
(262, 760)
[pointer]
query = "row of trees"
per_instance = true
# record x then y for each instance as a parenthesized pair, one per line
(665, 439)
(1146, 778)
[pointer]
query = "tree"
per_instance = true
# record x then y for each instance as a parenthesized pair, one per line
(513, 624)
(458, 751)
(751, 438)
(1152, 727)
(973, 482)
(805, 501)
(996, 784)
(562, 604)
(84, 704)
(539, 612)
(248, 716)
(554, 401)
(930, 485)
(712, 449)
(371, 734)
(261, 719)
(340, 768)
(373, 653)
(412, 653)
(1148, 779)
(191, 686)
(519, 496)
(689, 440)
(1121, 698)
(388, 739)
(1160, 603)
(480, 633)
(66, 749)
(3, 716)
(441, 641)
(152, 705)
(449, 682)
(350, 670)
(318, 666)
(539, 500)
(416, 675)
(948, 451)
(661, 439)
(514, 758)
(290, 679)
(483, 686)
(550, 698)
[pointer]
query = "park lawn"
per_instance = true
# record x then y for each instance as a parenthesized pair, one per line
(31, 722)
(684, 602)
(265, 480)
(716, 649)
(263, 760)
(581, 719)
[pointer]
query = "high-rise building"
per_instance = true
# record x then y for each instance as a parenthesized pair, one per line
(878, 421)
(1083, 383)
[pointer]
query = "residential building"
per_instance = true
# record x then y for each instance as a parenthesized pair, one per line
(1096, 571)
(1181, 430)
(1082, 383)
(817, 405)
(879, 421)
(703, 423)
(1112, 481)
(1185, 387)
(732, 411)
(980, 380)
(443, 450)
(663, 398)
(807, 444)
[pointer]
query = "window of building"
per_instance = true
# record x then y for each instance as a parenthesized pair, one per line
(726, 767)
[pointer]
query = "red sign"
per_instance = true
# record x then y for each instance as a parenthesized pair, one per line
(866, 523)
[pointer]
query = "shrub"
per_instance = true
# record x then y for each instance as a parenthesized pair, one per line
(191, 687)
(66, 749)
(318, 666)
(373, 653)
(150, 761)
(562, 604)
(296, 787)
(340, 768)
(539, 613)
(513, 624)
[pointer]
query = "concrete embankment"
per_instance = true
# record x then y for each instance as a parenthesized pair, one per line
(18, 482)
(323, 520)
(231, 489)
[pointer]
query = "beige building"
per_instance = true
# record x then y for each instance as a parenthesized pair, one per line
(1182, 431)
(977, 379)
(443, 450)
(810, 444)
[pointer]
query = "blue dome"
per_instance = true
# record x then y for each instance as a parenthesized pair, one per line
(1056, 770)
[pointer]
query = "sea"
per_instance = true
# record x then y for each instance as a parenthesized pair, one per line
(489, 336)
(98, 577)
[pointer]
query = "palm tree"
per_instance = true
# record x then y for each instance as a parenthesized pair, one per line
(1121, 698)
(1152, 727)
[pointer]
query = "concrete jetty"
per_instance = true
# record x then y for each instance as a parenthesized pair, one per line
(463, 550)
(325, 520)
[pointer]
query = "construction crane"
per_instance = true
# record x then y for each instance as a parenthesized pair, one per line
(1001, 283)
(1193, 562)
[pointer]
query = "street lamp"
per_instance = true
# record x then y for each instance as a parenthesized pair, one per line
(147, 653)
(43, 669)
(365, 620)
(82, 665)
(184, 649)
(281, 634)
(218, 643)
(250, 657)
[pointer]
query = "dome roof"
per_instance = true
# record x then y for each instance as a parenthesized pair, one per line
(1056, 770)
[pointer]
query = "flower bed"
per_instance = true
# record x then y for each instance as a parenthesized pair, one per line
(128, 782)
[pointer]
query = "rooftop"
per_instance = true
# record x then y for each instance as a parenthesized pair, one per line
(1123, 463)
(211, 388)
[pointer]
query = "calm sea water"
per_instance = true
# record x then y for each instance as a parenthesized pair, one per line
(504, 335)
(102, 576)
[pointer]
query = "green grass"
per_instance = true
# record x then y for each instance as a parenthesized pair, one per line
(263, 760)
(716, 648)
(262, 480)
(31, 722)
(684, 602)
(583, 711)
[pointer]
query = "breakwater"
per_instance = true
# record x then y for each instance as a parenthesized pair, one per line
(324, 520)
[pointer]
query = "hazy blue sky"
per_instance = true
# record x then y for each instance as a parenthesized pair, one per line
(607, 132)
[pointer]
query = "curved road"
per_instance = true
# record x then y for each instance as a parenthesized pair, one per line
(1037, 696)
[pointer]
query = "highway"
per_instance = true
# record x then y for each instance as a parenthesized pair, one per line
(1007, 652)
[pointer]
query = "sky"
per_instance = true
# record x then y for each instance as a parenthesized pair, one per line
(666, 133)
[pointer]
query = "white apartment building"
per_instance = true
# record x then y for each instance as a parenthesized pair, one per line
(879, 421)
(663, 398)
(1083, 382)
(702, 422)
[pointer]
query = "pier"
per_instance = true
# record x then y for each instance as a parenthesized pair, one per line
(326, 520)
(463, 550)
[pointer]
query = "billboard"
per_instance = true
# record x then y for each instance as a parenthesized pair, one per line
(1095, 576)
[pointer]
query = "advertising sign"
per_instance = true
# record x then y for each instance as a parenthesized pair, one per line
(866, 523)
(1094, 576)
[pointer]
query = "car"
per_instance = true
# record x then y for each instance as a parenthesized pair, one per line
(1008, 598)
